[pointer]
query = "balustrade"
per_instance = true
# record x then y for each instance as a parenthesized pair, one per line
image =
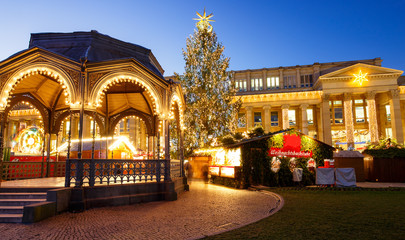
(92, 171)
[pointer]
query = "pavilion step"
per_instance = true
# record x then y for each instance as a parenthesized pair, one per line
(24, 189)
(19, 202)
(11, 210)
(22, 195)
(11, 218)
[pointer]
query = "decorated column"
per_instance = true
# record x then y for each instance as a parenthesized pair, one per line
(284, 116)
(372, 116)
(2, 124)
(348, 115)
(304, 118)
(267, 120)
(396, 121)
(326, 127)
(249, 117)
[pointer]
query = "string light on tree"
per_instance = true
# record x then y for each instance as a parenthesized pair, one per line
(208, 88)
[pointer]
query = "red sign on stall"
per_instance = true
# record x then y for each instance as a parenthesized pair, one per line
(291, 148)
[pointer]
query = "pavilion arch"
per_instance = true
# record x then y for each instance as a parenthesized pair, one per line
(149, 121)
(50, 70)
(65, 114)
(111, 79)
(175, 99)
(15, 99)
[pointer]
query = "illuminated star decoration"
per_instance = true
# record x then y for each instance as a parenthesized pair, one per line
(204, 21)
(360, 78)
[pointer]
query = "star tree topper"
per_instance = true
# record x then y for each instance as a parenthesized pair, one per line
(204, 21)
(360, 78)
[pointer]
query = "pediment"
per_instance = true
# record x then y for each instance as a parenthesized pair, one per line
(371, 70)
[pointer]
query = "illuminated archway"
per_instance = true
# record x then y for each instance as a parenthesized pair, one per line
(98, 91)
(43, 69)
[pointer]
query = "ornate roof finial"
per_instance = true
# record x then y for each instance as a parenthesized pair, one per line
(203, 21)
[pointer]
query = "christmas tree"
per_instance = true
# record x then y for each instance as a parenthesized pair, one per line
(210, 94)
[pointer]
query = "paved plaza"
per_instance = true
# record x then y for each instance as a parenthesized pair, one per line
(206, 209)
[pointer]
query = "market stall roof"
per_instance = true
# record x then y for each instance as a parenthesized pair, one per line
(245, 141)
(99, 145)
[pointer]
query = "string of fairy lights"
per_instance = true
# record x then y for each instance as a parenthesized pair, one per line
(8, 90)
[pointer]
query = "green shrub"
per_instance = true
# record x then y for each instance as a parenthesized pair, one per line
(385, 148)
(227, 140)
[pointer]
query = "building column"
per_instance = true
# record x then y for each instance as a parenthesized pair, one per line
(316, 72)
(348, 116)
(281, 80)
(383, 119)
(396, 121)
(267, 120)
(304, 118)
(298, 78)
(319, 125)
(265, 80)
(284, 115)
(248, 81)
(3, 119)
(326, 126)
(249, 117)
(166, 131)
(372, 116)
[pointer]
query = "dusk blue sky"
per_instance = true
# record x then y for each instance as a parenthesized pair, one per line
(256, 34)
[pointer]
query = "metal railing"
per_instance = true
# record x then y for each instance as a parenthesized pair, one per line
(92, 171)
(25, 170)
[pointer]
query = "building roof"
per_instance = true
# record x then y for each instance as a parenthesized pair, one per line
(268, 135)
(336, 65)
(96, 47)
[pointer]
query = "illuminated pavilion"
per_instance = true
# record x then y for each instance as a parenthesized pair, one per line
(85, 86)
(345, 104)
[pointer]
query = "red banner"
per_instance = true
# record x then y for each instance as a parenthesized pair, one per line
(291, 148)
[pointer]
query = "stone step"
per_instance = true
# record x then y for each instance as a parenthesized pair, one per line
(25, 189)
(11, 209)
(11, 218)
(19, 202)
(34, 195)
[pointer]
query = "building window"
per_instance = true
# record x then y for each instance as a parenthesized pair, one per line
(122, 126)
(388, 112)
(241, 85)
(360, 116)
(336, 112)
(258, 118)
(67, 126)
(241, 120)
(273, 82)
(310, 116)
(388, 132)
(360, 110)
(274, 119)
(306, 80)
(291, 117)
(289, 81)
(256, 84)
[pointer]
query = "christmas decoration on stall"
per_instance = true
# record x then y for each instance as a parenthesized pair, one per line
(208, 89)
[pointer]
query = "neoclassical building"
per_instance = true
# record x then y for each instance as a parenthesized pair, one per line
(86, 85)
(345, 104)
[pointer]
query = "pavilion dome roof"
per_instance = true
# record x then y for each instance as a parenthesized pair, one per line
(96, 47)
